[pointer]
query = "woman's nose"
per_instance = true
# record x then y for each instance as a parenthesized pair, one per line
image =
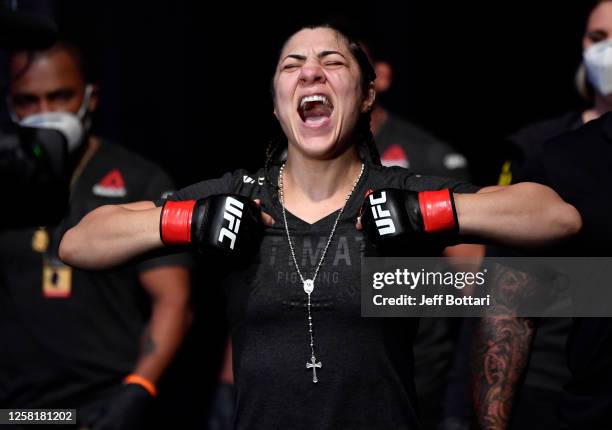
(312, 73)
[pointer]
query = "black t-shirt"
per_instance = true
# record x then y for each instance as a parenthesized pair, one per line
(404, 144)
(59, 346)
(578, 166)
(528, 141)
(367, 379)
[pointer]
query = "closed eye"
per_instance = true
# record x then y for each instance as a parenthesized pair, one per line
(24, 100)
(597, 35)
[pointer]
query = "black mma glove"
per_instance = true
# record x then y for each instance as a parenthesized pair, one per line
(389, 216)
(226, 223)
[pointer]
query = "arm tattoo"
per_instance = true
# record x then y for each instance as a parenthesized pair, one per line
(147, 344)
(501, 350)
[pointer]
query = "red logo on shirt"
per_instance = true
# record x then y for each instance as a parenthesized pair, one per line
(394, 155)
(111, 185)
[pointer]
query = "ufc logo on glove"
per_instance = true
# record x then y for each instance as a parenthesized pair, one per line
(382, 217)
(212, 224)
(391, 215)
(233, 214)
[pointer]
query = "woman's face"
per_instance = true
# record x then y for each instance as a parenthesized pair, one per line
(599, 26)
(317, 92)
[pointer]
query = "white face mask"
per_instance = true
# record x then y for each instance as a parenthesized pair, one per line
(65, 122)
(72, 126)
(598, 64)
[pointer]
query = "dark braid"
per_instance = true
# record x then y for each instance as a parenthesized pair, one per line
(368, 150)
(370, 144)
(273, 151)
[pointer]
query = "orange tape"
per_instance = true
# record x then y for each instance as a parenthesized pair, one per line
(143, 382)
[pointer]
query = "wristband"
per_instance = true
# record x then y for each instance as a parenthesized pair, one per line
(143, 382)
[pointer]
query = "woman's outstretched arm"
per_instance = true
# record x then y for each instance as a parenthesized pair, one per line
(521, 215)
(111, 235)
(526, 214)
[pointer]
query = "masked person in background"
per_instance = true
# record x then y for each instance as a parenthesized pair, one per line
(97, 342)
(534, 156)
(594, 84)
(547, 372)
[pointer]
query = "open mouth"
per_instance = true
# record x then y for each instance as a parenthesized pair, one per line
(315, 110)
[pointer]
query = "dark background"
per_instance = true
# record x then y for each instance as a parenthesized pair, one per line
(187, 84)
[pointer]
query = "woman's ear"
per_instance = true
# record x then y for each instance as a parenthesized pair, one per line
(368, 102)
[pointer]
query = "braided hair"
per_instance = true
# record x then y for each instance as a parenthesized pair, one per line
(277, 147)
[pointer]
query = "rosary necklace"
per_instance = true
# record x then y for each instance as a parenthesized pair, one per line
(308, 284)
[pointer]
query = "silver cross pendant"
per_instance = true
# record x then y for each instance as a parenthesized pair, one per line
(313, 365)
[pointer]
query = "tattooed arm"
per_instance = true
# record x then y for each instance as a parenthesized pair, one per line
(168, 288)
(501, 350)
